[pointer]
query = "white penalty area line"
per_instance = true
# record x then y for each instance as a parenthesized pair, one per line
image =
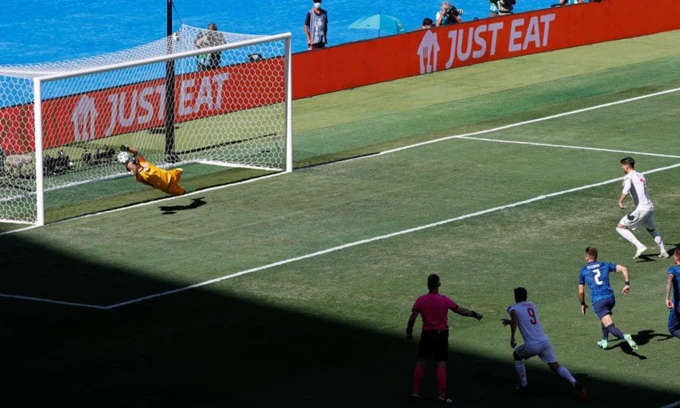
(596, 149)
(56, 302)
(528, 122)
(398, 149)
(340, 247)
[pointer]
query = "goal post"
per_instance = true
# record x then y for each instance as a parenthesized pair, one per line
(60, 132)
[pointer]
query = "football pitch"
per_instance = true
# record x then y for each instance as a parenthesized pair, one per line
(295, 289)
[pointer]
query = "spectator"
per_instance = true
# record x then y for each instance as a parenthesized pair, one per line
(566, 2)
(493, 8)
(427, 23)
(210, 38)
(505, 7)
(316, 27)
(448, 14)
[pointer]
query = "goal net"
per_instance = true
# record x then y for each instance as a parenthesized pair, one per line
(217, 104)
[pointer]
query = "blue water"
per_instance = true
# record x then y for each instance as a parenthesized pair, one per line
(54, 30)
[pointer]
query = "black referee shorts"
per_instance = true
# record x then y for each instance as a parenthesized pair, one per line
(434, 344)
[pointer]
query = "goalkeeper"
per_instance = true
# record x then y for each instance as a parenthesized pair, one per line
(145, 172)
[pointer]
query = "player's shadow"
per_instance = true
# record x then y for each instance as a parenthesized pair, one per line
(641, 338)
(645, 336)
(172, 209)
(651, 257)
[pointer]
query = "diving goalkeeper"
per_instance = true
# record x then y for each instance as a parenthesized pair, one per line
(145, 172)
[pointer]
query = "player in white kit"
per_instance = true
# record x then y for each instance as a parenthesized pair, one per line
(635, 185)
(524, 315)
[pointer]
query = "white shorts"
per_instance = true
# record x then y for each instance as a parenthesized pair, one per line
(543, 350)
(640, 216)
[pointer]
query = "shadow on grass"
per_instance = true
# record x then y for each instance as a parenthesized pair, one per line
(651, 257)
(204, 348)
(641, 338)
(172, 209)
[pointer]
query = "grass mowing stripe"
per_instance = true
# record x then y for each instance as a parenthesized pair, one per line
(379, 238)
(537, 120)
(463, 136)
(19, 230)
(596, 149)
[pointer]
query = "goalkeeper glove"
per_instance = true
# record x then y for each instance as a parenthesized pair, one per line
(124, 148)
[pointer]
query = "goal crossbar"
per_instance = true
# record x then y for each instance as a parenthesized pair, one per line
(185, 54)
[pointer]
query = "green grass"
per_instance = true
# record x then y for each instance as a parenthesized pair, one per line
(329, 330)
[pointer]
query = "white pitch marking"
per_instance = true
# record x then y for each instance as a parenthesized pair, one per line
(58, 302)
(596, 149)
(334, 249)
(378, 238)
(467, 135)
(528, 122)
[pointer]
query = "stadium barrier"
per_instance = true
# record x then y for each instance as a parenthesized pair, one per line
(425, 51)
(202, 94)
(138, 106)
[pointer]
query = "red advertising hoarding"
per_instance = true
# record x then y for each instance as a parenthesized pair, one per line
(425, 51)
(124, 109)
(130, 108)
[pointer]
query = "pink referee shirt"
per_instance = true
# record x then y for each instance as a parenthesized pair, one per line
(435, 310)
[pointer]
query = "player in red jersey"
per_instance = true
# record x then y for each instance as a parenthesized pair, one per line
(434, 339)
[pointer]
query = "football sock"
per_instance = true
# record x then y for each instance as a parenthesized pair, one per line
(441, 381)
(605, 333)
(564, 373)
(676, 333)
(615, 331)
(521, 372)
(629, 236)
(658, 240)
(418, 375)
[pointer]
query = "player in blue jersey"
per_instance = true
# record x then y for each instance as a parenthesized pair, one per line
(673, 281)
(596, 275)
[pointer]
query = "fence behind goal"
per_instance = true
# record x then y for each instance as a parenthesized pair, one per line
(221, 112)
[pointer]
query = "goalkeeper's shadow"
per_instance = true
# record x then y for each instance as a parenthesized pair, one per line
(172, 209)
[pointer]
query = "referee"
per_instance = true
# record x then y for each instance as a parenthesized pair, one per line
(434, 340)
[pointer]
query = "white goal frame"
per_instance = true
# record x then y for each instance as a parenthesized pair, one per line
(43, 77)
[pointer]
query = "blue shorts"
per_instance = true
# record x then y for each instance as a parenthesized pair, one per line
(674, 320)
(604, 307)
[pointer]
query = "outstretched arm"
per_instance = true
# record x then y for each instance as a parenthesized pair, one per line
(467, 313)
(669, 283)
(409, 325)
(626, 279)
(132, 150)
(582, 298)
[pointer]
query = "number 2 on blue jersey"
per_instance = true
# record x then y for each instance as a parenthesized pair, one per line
(597, 276)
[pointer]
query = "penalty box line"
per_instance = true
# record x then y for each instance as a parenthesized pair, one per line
(469, 136)
(537, 120)
(330, 250)
(596, 149)
(379, 238)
